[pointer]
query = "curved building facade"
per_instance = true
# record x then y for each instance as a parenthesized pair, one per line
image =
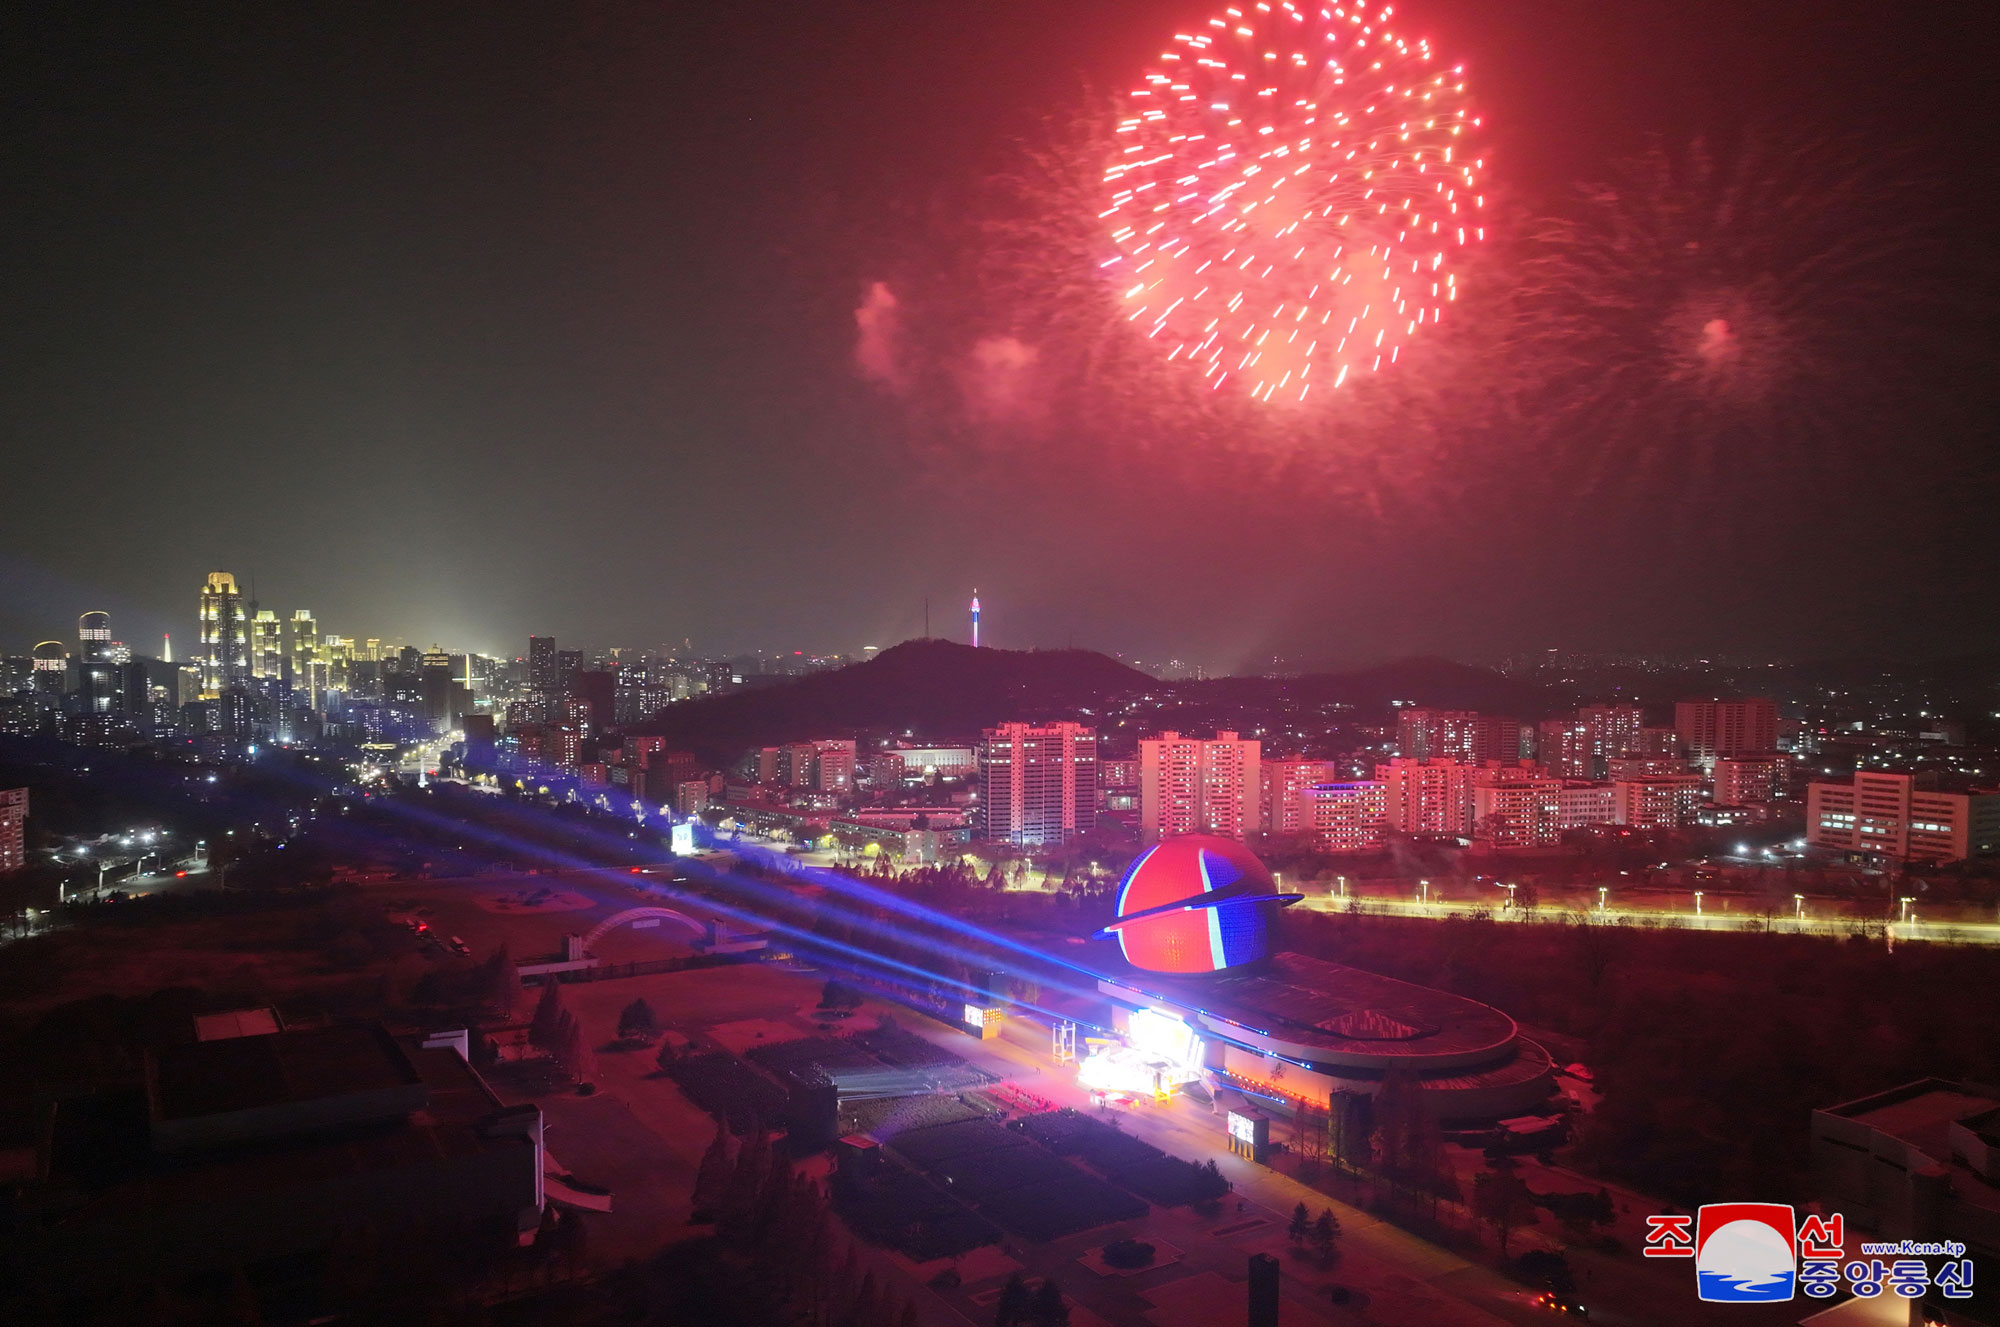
(1301, 1027)
(1193, 924)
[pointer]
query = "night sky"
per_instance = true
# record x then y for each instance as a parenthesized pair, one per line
(462, 322)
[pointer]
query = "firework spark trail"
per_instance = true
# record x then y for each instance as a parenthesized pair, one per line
(1288, 190)
(1703, 310)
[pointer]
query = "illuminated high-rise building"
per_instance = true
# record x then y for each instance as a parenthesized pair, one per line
(1715, 728)
(568, 664)
(1462, 735)
(13, 826)
(225, 635)
(1037, 783)
(96, 673)
(1286, 784)
(1348, 817)
(542, 664)
(1579, 746)
(336, 655)
(975, 619)
(1427, 796)
(1188, 785)
(306, 658)
(267, 645)
(1746, 780)
(93, 636)
(1516, 806)
(434, 677)
(51, 668)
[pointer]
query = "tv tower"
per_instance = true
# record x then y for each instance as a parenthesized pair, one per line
(975, 618)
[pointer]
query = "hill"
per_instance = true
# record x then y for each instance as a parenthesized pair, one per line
(936, 690)
(1424, 680)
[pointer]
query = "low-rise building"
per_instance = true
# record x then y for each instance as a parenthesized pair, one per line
(1919, 1162)
(1580, 804)
(1902, 817)
(1746, 780)
(1659, 802)
(896, 765)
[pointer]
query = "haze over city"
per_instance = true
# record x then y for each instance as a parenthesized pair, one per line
(471, 326)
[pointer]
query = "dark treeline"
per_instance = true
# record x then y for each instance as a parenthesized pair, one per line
(1710, 1049)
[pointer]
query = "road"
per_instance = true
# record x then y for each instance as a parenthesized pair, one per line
(1716, 917)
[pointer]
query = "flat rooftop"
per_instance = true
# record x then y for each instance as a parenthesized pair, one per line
(1920, 1113)
(1333, 1008)
(207, 1078)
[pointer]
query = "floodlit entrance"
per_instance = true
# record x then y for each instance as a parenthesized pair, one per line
(1160, 1054)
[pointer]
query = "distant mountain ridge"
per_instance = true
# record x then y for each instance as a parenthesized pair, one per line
(941, 691)
(938, 690)
(1421, 680)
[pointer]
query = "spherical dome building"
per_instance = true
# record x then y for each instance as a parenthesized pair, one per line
(1197, 903)
(1195, 925)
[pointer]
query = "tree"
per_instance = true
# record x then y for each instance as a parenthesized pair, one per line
(1012, 1308)
(1048, 1308)
(1503, 1202)
(711, 1179)
(746, 1180)
(867, 1310)
(636, 1022)
(547, 1020)
(1128, 1253)
(666, 1057)
(503, 984)
(1408, 1144)
(1603, 1211)
(1325, 1231)
(572, 1056)
(1301, 1226)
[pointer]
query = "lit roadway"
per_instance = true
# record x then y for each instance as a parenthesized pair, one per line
(1717, 916)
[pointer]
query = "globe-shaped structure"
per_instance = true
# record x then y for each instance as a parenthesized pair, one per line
(1196, 903)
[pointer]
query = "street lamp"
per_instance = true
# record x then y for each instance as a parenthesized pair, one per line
(1906, 901)
(1424, 891)
(1799, 907)
(1603, 893)
(1697, 903)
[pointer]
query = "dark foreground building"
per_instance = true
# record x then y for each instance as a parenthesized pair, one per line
(254, 1150)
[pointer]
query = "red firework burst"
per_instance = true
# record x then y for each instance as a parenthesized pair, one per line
(1288, 189)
